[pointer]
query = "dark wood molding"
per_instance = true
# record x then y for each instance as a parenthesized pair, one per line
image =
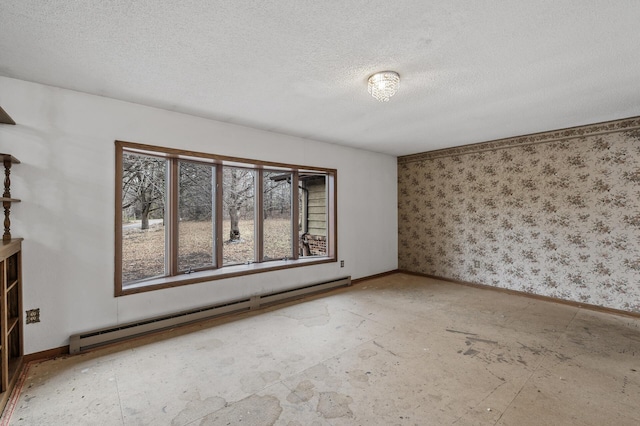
(117, 255)
(218, 274)
(295, 213)
(374, 276)
(258, 223)
(215, 158)
(332, 222)
(219, 238)
(64, 350)
(173, 176)
(572, 303)
(48, 354)
(603, 128)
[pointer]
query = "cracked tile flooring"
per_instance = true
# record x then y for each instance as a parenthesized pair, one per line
(397, 350)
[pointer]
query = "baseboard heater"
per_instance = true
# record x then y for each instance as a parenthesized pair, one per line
(105, 336)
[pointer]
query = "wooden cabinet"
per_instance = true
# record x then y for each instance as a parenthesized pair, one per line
(11, 327)
(11, 322)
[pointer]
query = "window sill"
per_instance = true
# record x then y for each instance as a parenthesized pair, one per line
(218, 274)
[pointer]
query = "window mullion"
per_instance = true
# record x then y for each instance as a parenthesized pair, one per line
(218, 216)
(172, 244)
(332, 216)
(118, 219)
(259, 220)
(295, 214)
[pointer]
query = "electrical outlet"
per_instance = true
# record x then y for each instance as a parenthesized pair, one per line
(33, 315)
(342, 263)
(476, 263)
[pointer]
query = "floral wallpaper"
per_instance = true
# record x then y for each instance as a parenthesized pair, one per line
(555, 214)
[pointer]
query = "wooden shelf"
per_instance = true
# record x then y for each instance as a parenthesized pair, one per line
(7, 248)
(5, 118)
(9, 200)
(13, 159)
(11, 323)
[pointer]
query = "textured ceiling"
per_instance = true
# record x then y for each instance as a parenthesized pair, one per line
(470, 71)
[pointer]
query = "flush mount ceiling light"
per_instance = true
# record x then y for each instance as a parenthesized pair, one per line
(383, 85)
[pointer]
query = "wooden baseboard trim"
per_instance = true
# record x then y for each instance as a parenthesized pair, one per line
(48, 354)
(370, 277)
(64, 350)
(588, 306)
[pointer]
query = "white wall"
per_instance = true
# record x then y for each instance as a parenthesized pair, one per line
(66, 181)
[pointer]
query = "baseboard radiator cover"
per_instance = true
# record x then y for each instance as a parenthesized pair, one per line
(105, 336)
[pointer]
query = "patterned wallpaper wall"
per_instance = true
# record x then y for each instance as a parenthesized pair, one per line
(555, 214)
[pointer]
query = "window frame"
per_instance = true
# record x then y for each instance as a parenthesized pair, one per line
(173, 277)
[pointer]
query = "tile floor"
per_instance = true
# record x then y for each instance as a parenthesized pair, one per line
(398, 350)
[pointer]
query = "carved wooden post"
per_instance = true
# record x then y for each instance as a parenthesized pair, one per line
(7, 194)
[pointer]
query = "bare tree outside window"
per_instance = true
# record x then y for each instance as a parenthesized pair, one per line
(143, 208)
(277, 220)
(238, 194)
(196, 226)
